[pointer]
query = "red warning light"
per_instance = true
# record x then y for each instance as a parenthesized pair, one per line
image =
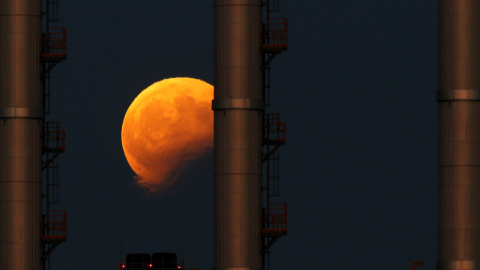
(179, 267)
(123, 265)
(151, 265)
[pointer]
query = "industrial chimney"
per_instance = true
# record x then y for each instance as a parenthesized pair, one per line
(238, 115)
(21, 124)
(459, 135)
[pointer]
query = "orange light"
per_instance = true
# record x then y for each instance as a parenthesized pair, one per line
(168, 125)
(179, 267)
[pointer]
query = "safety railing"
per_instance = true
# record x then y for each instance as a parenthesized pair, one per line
(275, 128)
(54, 44)
(275, 219)
(276, 35)
(55, 136)
(55, 226)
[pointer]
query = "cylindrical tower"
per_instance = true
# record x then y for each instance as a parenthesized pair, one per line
(21, 123)
(459, 135)
(238, 115)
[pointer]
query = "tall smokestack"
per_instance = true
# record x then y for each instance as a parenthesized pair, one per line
(459, 135)
(238, 115)
(21, 123)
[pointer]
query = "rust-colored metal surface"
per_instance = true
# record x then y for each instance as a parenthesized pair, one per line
(459, 135)
(21, 123)
(238, 109)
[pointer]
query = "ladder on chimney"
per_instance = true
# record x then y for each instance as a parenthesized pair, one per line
(53, 51)
(275, 41)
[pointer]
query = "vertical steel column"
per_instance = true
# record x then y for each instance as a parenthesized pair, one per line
(459, 135)
(21, 122)
(238, 114)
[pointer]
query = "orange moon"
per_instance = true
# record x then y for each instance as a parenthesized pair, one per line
(168, 125)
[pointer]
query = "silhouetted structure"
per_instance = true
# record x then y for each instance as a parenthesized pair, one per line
(26, 58)
(157, 261)
(459, 135)
(245, 136)
(238, 117)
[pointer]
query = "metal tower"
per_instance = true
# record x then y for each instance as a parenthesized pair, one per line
(21, 123)
(459, 135)
(238, 118)
(22, 50)
(244, 136)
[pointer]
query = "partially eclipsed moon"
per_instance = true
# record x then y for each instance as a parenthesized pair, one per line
(167, 125)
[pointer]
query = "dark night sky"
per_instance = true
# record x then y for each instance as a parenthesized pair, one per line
(356, 88)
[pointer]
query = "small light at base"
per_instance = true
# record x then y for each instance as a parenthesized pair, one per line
(123, 265)
(150, 265)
